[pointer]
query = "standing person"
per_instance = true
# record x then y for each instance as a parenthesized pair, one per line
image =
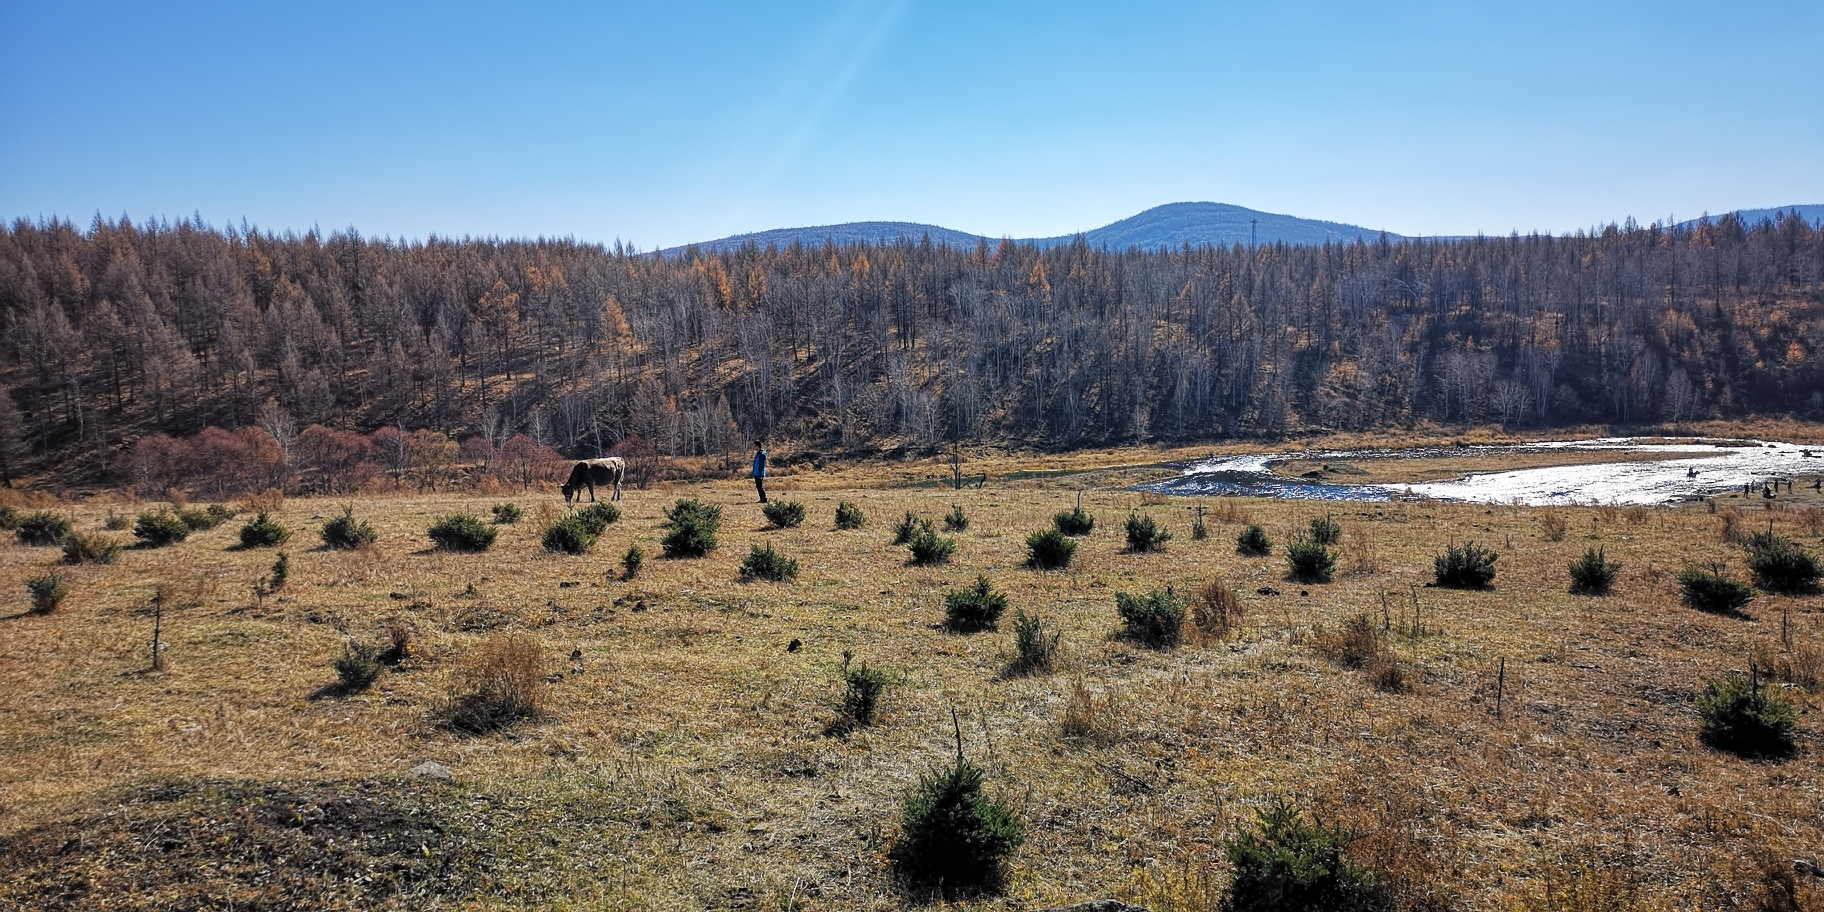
(759, 472)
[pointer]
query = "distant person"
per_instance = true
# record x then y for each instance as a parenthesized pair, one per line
(759, 471)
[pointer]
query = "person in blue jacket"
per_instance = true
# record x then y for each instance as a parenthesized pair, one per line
(759, 472)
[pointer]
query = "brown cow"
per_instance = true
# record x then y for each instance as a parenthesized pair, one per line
(591, 472)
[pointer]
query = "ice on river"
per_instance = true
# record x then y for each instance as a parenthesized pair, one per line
(1663, 474)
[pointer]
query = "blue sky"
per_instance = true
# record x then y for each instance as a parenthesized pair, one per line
(663, 123)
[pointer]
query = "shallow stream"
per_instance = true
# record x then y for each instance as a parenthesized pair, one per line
(1664, 473)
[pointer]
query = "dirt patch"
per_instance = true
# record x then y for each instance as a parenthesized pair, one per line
(203, 844)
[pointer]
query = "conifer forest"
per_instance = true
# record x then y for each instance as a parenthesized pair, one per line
(124, 331)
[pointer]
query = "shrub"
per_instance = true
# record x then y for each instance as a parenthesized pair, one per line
(42, 528)
(9, 517)
(503, 683)
(1216, 611)
(632, 561)
(462, 532)
(976, 608)
(905, 528)
(1710, 591)
(1594, 573)
(1253, 542)
(1282, 862)
(358, 666)
(160, 527)
(1356, 645)
(263, 532)
(1469, 567)
(81, 548)
(1745, 718)
(116, 522)
(1086, 719)
(1144, 535)
(849, 516)
(201, 520)
(267, 501)
(863, 685)
(1552, 526)
(399, 644)
(344, 532)
(569, 535)
(956, 520)
(767, 564)
(47, 591)
(1155, 619)
(1035, 648)
(783, 514)
(506, 514)
(1307, 560)
(1780, 565)
(953, 834)
(598, 516)
(693, 528)
(1076, 521)
(928, 547)
(1049, 549)
(1325, 531)
(281, 572)
(1388, 674)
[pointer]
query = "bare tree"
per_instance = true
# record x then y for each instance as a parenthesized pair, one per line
(278, 423)
(1511, 400)
(1681, 397)
(12, 436)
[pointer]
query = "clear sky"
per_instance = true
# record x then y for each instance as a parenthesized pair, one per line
(668, 122)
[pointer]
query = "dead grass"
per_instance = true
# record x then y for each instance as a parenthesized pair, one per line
(1216, 611)
(502, 683)
(680, 733)
(1363, 556)
(1355, 643)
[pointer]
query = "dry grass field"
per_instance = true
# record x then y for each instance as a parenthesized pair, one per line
(1519, 747)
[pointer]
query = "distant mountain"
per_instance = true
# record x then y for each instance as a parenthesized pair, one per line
(1813, 214)
(1169, 226)
(845, 233)
(1215, 224)
(1159, 228)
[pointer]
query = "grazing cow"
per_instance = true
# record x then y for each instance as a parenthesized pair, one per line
(592, 472)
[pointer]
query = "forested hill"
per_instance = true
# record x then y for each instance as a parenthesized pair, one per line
(122, 330)
(1812, 214)
(845, 233)
(1217, 225)
(1165, 227)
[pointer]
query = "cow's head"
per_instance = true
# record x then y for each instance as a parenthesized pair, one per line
(569, 491)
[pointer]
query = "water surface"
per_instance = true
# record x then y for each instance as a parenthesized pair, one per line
(1663, 473)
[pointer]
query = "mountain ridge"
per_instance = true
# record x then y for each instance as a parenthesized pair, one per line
(1166, 226)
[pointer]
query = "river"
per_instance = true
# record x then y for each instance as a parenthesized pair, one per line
(1663, 473)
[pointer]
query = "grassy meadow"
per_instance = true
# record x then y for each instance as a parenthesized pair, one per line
(1518, 747)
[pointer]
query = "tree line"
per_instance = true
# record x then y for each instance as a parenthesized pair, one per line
(123, 330)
